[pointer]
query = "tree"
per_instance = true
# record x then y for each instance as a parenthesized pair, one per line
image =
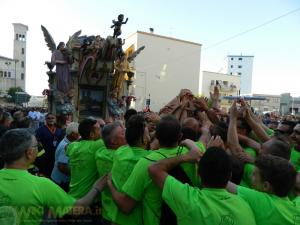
(18, 95)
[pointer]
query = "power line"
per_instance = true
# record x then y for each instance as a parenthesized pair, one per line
(225, 40)
(251, 29)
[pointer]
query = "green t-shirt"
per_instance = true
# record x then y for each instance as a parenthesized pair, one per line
(250, 151)
(247, 175)
(125, 159)
(104, 161)
(270, 132)
(295, 158)
(271, 209)
(140, 187)
(207, 206)
(83, 166)
(26, 196)
(201, 146)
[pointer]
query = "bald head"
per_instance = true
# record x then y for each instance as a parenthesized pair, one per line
(190, 129)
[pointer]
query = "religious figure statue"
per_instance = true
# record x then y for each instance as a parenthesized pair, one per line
(62, 58)
(122, 68)
(117, 25)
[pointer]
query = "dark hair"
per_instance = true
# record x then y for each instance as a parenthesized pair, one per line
(279, 172)
(128, 114)
(219, 129)
(280, 148)
(49, 114)
(5, 116)
(107, 132)
(168, 131)
(14, 143)
(135, 130)
(215, 168)
(85, 128)
(237, 169)
(244, 125)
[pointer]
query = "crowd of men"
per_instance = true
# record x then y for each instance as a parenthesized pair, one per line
(191, 163)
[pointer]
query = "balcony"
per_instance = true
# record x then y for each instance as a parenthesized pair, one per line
(225, 88)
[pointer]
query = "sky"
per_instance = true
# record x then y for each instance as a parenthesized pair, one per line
(275, 46)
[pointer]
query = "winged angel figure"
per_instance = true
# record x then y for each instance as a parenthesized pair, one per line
(62, 58)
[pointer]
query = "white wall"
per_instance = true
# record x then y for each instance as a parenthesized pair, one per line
(246, 71)
(207, 77)
(163, 68)
(21, 30)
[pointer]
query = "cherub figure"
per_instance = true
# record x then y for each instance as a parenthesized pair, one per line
(117, 25)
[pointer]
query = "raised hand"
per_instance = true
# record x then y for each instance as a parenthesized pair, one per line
(216, 141)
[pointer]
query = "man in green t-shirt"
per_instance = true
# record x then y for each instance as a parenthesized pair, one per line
(125, 158)
(273, 179)
(82, 158)
(25, 196)
(139, 188)
(190, 129)
(211, 205)
(113, 137)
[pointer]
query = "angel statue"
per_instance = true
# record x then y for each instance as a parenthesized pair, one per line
(122, 68)
(62, 58)
(117, 25)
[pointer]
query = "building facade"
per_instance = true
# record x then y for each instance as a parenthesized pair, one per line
(13, 70)
(270, 104)
(229, 85)
(289, 104)
(241, 66)
(163, 68)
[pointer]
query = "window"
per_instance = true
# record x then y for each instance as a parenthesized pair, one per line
(230, 73)
(9, 74)
(212, 82)
(22, 76)
(22, 64)
(5, 74)
(239, 73)
(1, 73)
(240, 58)
(225, 83)
(23, 51)
(231, 58)
(231, 66)
(239, 66)
(17, 36)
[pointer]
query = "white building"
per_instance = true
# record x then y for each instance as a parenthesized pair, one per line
(229, 85)
(13, 70)
(242, 66)
(163, 68)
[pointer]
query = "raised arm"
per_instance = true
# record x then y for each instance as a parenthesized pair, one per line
(255, 125)
(232, 135)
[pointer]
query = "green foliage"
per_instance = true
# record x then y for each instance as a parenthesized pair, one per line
(18, 95)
